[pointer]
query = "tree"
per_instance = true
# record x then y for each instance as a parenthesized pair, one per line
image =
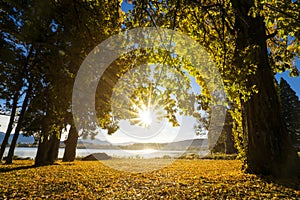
(225, 143)
(13, 69)
(249, 41)
(34, 34)
(268, 148)
(95, 21)
(58, 44)
(291, 110)
(18, 128)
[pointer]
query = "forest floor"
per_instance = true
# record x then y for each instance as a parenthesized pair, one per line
(183, 179)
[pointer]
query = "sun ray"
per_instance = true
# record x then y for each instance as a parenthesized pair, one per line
(143, 111)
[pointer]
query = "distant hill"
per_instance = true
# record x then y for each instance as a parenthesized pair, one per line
(21, 140)
(96, 143)
(92, 141)
(196, 143)
(180, 145)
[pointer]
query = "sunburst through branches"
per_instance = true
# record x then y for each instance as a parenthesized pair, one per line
(146, 111)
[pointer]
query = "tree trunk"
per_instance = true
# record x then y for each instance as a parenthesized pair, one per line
(10, 125)
(269, 150)
(219, 147)
(71, 144)
(229, 144)
(54, 148)
(225, 143)
(18, 128)
(41, 158)
(229, 141)
(48, 147)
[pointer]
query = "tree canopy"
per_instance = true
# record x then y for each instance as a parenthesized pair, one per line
(44, 43)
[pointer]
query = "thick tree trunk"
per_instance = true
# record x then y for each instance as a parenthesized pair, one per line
(10, 125)
(71, 144)
(47, 152)
(54, 148)
(220, 145)
(227, 129)
(269, 150)
(18, 128)
(41, 158)
(229, 144)
(225, 143)
(48, 149)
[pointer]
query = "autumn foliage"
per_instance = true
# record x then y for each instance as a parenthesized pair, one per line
(184, 179)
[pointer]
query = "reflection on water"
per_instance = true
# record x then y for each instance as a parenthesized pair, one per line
(145, 153)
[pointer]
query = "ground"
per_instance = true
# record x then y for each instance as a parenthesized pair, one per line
(183, 179)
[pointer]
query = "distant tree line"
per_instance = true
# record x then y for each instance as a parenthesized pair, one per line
(291, 110)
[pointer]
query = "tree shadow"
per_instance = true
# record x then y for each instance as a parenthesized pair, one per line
(293, 183)
(9, 169)
(22, 167)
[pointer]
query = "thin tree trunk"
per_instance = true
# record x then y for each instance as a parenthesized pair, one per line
(10, 125)
(269, 150)
(18, 128)
(71, 144)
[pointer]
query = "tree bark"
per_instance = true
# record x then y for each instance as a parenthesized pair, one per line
(269, 150)
(10, 125)
(41, 158)
(225, 143)
(71, 144)
(54, 148)
(48, 147)
(229, 144)
(18, 128)
(227, 129)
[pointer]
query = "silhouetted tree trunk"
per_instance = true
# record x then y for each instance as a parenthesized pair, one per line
(269, 150)
(229, 140)
(54, 148)
(225, 143)
(229, 144)
(48, 147)
(10, 125)
(215, 139)
(71, 144)
(41, 158)
(18, 128)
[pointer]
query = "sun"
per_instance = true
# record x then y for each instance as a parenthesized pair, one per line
(146, 112)
(145, 117)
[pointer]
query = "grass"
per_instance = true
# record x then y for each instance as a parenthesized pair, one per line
(183, 179)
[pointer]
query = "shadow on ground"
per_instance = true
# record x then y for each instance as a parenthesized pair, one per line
(9, 169)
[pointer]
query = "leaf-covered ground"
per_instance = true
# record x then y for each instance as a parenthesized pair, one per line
(184, 179)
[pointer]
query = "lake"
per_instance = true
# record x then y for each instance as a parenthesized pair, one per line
(146, 153)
